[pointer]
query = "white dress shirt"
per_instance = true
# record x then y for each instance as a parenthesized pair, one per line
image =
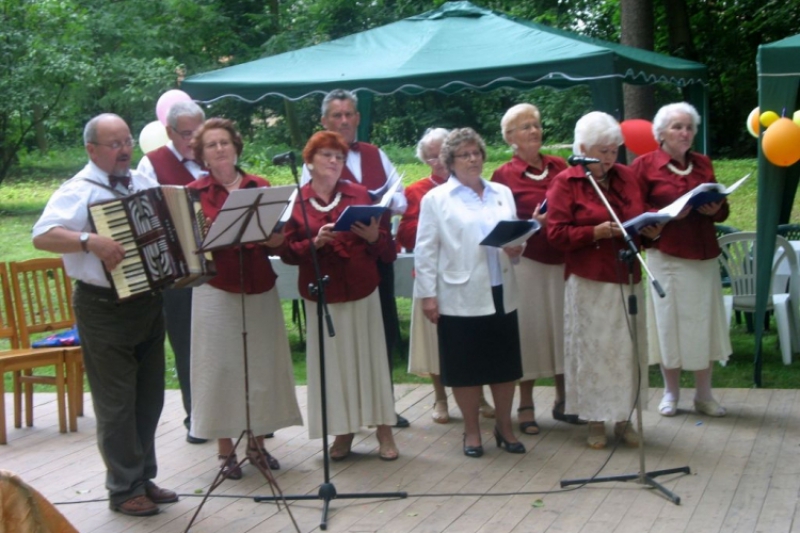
(146, 166)
(69, 208)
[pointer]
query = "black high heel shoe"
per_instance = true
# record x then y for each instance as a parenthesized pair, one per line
(472, 451)
(511, 447)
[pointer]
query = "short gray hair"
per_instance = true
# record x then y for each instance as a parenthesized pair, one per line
(90, 130)
(338, 94)
(666, 114)
(455, 140)
(430, 136)
(183, 109)
(515, 112)
(596, 129)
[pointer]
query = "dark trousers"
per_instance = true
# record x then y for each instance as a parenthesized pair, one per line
(391, 323)
(178, 316)
(123, 352)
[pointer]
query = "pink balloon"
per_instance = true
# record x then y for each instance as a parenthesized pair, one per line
(167, 100)
(638, 135)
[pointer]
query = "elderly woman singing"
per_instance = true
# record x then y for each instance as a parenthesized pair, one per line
(468, 290)
(602, 375)
(540, 272)
(359, 391)
(686, 329)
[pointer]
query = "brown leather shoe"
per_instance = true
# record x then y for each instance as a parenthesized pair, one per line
(137, 506)
(159, 495)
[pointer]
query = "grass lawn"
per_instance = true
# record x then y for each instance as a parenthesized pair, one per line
(24, 194)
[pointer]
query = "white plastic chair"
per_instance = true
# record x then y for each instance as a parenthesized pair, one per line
(738, 257)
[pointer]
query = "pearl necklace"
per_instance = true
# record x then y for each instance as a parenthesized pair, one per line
(324, 209)
(538, 177)
(233, 182)
(678, 171)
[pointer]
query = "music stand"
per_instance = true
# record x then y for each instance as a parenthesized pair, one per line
(327, 490)
(628, 255)
(243, 219)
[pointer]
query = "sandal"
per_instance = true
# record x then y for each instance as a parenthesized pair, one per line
(486, 410)
(558, 414)
(440, 413)
(597, 435)
(258, 456)
(340, 448)
(387, 450)
(625, 431)
(710, 408)
(230, 466)
(529, 427)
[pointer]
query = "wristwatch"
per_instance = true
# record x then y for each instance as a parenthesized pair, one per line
(84, 238)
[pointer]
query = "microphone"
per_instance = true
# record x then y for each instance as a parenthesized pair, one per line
(574, 160)
(283, 159)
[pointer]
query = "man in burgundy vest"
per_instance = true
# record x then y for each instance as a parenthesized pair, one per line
(173, 164)
(368, 165)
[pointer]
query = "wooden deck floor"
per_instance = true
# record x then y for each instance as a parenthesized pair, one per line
(745, 475)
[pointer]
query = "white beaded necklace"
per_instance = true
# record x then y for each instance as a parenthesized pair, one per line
(678, 171)
(324, 209)
(538, 177)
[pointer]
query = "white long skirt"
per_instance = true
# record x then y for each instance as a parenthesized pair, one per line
(358, 386)
(600, 370)
(686, 329)
(423, 343)
(217, 365)
(541, 318)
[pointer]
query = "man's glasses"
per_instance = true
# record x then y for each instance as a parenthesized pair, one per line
(186, 135)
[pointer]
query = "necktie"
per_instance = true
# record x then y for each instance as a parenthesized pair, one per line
(354, 146)
(125, 181)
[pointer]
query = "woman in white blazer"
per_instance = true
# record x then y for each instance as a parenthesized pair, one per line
(468, 290)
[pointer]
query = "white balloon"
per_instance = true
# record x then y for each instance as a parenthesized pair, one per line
(153, 136)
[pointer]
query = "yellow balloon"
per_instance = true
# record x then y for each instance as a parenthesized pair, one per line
(796, 117)
(768, 118)
(781, 143)
(753, 127)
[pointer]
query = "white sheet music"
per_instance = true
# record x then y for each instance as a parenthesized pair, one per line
(267, 205)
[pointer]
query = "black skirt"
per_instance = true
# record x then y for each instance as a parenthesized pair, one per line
(480, 350)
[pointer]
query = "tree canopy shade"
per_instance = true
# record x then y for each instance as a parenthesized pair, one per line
(778, 66)
(456, 47)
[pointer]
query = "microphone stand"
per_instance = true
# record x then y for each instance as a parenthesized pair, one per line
(627, 255)
(327, 490)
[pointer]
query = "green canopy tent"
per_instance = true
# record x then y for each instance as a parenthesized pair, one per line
(778, 66)
(456, 47)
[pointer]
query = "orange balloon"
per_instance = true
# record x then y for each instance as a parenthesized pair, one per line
(781, 143)
(753, 124)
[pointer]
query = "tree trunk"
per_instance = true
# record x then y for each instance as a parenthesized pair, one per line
(39, 130)
(637, 30)
(679, 30)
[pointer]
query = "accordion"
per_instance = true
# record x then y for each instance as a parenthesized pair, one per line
(161, 229)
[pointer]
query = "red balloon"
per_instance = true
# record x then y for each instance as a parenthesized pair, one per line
(638, 135)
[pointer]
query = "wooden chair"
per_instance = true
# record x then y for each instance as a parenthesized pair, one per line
(43, 303)
(17, 360)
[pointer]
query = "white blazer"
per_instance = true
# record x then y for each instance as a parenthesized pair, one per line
(450, 263)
